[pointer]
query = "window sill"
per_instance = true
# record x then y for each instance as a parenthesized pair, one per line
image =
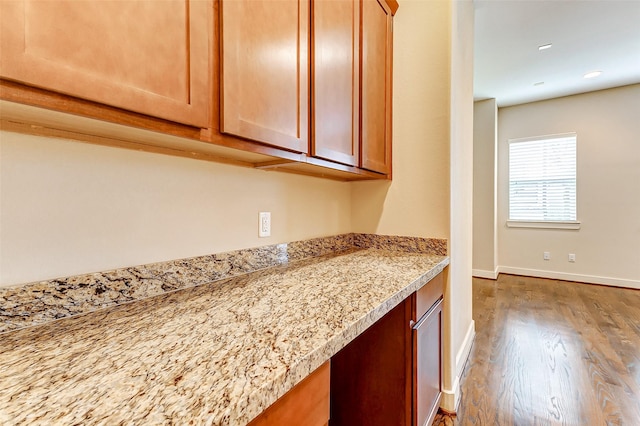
(573, 224)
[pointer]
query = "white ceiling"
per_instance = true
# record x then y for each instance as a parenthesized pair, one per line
(587, 35)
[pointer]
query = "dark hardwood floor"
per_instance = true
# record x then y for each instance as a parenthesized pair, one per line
(551, 352)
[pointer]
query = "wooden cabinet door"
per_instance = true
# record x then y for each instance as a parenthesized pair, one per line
(371, 376)
(427, 334)
(335, 77)
(376, 86)
(150, 57)
(307, 404)
(265, 71)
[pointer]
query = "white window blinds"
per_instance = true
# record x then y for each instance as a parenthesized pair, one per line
(542, 179)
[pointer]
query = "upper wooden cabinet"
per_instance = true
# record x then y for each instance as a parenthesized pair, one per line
(377, 56)
(336, 80)
(144, 56)
(302, 86)
(265, 71)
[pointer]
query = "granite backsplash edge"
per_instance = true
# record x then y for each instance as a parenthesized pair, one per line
(40, 302)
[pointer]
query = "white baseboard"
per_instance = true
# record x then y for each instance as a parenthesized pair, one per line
(589, 279)
(451, 397)
(448, 400)
(465, 349)
(481, 273)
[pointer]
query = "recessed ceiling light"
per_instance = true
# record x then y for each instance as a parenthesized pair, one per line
(545, 46)
(592, 74)
(540, 83)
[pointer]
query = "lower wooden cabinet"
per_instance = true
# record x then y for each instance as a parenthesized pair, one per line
(427, 351)
(391, 374)
(427, 374)
(371, 376)
(307, 404)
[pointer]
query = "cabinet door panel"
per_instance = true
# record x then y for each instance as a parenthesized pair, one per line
(427, 367)
(307, 404)
(429, 294)
(147, 57)
(336, 28)
(376, 86)
(371, 376)
(265, 71)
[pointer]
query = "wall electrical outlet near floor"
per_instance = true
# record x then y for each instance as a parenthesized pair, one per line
(546, 255)
(264, 226)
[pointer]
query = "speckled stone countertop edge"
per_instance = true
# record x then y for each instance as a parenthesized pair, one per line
(308, 364)
(36, 303)
(315, 359)
(73, 369)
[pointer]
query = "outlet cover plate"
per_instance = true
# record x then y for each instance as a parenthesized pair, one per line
(264, 224)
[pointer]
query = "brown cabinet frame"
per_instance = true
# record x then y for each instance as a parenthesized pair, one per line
(378, 380)
(121, 127)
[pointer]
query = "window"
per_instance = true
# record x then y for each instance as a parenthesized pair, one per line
(542, 182)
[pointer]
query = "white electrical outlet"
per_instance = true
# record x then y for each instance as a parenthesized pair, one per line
(572, 257)
(546, 255)
(264, 225)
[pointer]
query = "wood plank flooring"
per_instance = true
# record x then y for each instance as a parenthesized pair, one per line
(551, 352)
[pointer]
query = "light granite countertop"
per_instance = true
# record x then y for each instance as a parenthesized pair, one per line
(215, 354)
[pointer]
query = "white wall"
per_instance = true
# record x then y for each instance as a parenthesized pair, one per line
(68, 208)
(416, 201)
(459, 299)
(607, 246)
(485, 137)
